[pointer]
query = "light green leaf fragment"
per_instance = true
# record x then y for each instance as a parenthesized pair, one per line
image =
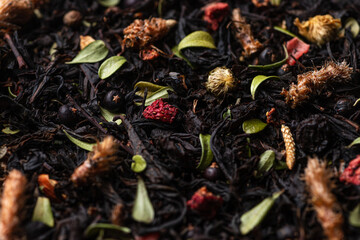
(154, 92)
(353, 25)
(254, 216)
(206, 153)
(273, 65)
(266, 162)
(80, 144)
(227, 114)
(253, 126)
(287, 32)
(42, 212)
(356, 102)
(94, 52)
(356, 141)
(110, 66)
(11, 93)
(139, 164)
(94, 230)
(109, 116)
(257, 81)
(7, 130)
(197, 39)
(109, 3)
(354, 217)
(143, 210)
(275, 2)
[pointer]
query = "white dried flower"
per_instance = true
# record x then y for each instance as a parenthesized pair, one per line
(220, 81)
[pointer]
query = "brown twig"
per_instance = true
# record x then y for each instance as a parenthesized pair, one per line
(19, 58)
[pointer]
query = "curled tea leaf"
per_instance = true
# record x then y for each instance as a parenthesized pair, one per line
(143, 210)
(266, 162)
(206, 153)
(80, 144)
(110, 66)
(139, 164)
(94, 52)
(273, 65)
(42, 212)
(257, 81)
(197, 39)
(253, 126)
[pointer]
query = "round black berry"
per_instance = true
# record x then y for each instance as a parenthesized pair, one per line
(113, 101)
(67, 115)
(267, 56)
(343, 106)
(212, 173)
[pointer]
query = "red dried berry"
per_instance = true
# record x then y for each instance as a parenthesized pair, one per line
(160, 110)
(296, 48)
(149, 54)
(215, 13)
(351, 174)
(205, 203)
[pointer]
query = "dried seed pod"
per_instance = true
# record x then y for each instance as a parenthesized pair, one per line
(72, 18)
(12, 202)
(142, 33)
(319, 29)
(98, 162)
(328, 211)
(220, 81)
(243, 34)
(314, 82)
(18, 11)
(289, 146)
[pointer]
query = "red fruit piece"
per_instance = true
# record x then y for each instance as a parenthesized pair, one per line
(351, 174)
(149, 54)
(205, 203)
(160, 110)
(296, 48)
(215, 13)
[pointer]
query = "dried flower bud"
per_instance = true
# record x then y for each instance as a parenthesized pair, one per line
(289, 146)
(351, 174)
(85, 40)
(72, 18)
(98, 162)
(319, 29)
(314, 82)
(214, 13)
(12, 202)
(142, 33)
(205, 203)
(328, 210)
(220, 81)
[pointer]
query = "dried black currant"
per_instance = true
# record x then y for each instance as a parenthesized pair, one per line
(113, 101)
(267, 56)
(212, 173)
(67, 115)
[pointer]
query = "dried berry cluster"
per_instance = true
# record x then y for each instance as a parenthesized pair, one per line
(205, 203)
(160, 110)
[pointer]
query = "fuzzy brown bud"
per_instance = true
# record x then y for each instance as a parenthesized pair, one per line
(72, 18)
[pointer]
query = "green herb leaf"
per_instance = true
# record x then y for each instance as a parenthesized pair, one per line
(154, 92)
(206, 153)
(110, 230)
(353, 25)
(94, 52)
(7, 130)
(177, 53)
(227, 114)
(110, 66)
(109, 3)
(356, 102)
(109, 116)
(254, 216)
(257, 81)
(11, 93)
(197, 39)
(139, 164)
(42, 212)
(253, 126)
(287, 32)
(275, 2)
(354, 217)
(143, 210)
(266, 162)
(356, 141)
(80, 144)
(273, 65)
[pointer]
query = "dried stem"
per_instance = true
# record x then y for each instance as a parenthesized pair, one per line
(19, 58)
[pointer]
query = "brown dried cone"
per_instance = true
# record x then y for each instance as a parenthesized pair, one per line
(314, 82)
(328, 211)
(142, 33)
(12, 203)
(98, 162)
(18, 11)
(289, 146)
(243, 34)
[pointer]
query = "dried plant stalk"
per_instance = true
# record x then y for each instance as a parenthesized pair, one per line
(319, 184)
(314, 82)
(243, 34)
(289, 146)
(98, 162)
(12, 202)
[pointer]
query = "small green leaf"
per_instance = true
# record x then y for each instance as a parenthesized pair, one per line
(266, 162)
(356, 102)
(354, 217)
(253, 126)
(154, 92)
(110, 66)
(275, 2)
(109, 116)
(139, 164)
(197, 39)
(177, 53)
(94, 230)
(109, 3)
(94, 52)
(273, 65)
(143, 210)
(11, 93)
(206, 153)
(80, 144)
(227, 114)
(287, 32)
(7, 130)
(42, 212)
(353, 25)
(257, 81)
(254, 216)
(356, 141)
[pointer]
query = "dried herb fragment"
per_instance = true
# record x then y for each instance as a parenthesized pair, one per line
(351, 174)
(205, 203)
(206, 153)
(139, 164)
(42, 212)
(266, 162)
(256, 83)
(220, 81)
(214, 14)
(272, 65)
(253, 126)
(197, 39)
(110, 230)
(109, 116)
(159, 110)
(110, 66)
(94, 52)
(143, 210)
(80, 144)
(353, 25)
(356, 141)
(289, 146)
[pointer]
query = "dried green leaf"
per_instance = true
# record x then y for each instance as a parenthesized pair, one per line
(354, 217)
(254, 216)
(227, 114)
(110, 230)
(110, 66)
(266, 162)
(139, 164)
(197, 39)
(253, 126)
(109, 116)
(80, 144)
(273, 65)
(109, 3)
(356, 141)
(94, 52)
(143, 210)
(353, 25)
(42, 212)
(287, 32)
(7, 130)
(356, 102)
(257, 81)
(177, 53)
(11, 93)
(154, 92)
(275, 2)
(206, 153)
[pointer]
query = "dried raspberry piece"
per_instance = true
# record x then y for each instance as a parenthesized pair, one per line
(215, 13)
(296, 48)
(205, 203)
(149, 54)
(160, 110)
(351, 174)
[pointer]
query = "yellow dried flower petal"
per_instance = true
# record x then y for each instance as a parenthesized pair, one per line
(220, 81)
(289, 146)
